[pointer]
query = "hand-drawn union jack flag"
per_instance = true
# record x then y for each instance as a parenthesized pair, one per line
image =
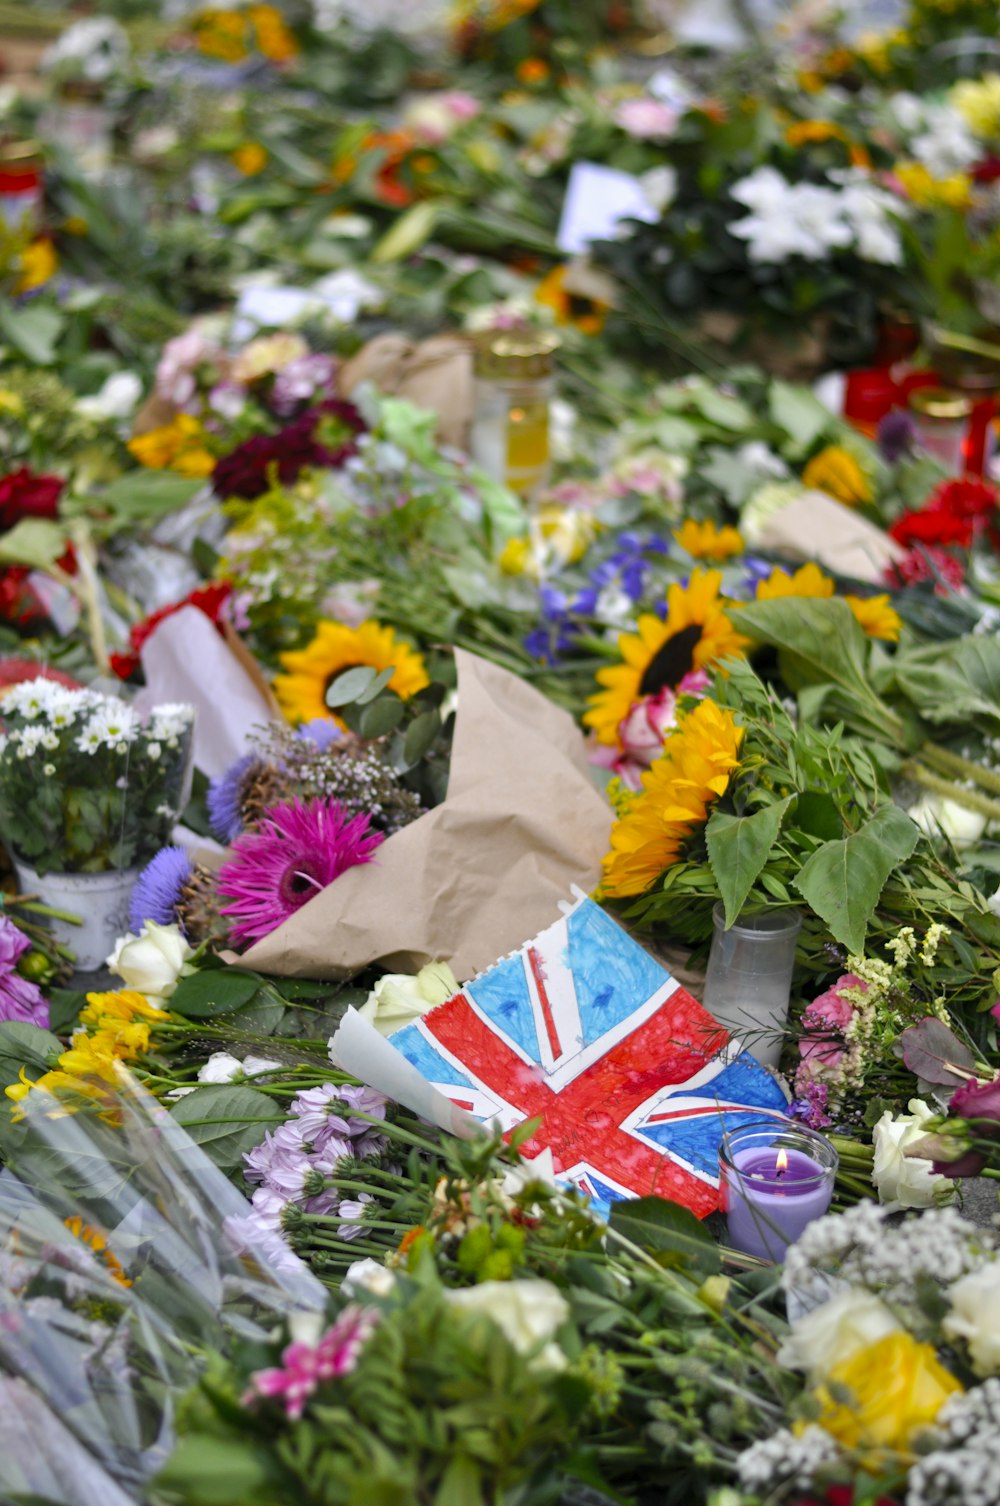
(582, 1029)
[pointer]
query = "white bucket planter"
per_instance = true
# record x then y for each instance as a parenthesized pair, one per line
(101, 900)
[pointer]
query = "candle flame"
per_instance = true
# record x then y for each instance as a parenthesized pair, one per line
(782, 1162)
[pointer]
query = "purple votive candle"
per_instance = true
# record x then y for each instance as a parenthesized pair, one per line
(774, 1179)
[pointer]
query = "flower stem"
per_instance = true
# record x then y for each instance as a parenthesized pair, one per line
(958, 767)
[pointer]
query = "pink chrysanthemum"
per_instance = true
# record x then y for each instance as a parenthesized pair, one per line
(296, 851)
(306, 1366)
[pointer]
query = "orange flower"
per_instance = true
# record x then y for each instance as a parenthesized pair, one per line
(250, 158)
(805, 131)
(533, 71)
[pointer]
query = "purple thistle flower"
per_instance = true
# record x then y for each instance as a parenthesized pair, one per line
(224, 798)
(298, 850)
(158, 888)
(20, 999)
(895, 435)
(306, 1366)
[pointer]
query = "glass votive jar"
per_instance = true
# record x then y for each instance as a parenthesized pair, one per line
(748, 981)
(775, 1177)
(510, 425)
(941, 416)
(21, 185)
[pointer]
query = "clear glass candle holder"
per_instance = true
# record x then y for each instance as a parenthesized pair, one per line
(774, 1179)
(748, 982)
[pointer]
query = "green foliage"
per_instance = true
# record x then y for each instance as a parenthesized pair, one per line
(227, 1120)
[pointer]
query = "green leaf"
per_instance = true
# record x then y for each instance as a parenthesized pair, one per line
(461, 1484)
(408, 233)
(227, 1120)
(420, 735)
(817, 815)
(209, 1471)
(801, 415)
(381, 717)
(142, 496)
(64, 1008)
(380, 681)
(842, 881)
(28, 1046)
(663, 1227)
(738, 848)
(35, 542)
(821, 643)
(34, 331)
(212, 991)
(347, 687)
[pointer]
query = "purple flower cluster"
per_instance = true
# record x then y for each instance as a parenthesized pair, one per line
(557, 631)
(325, 1130)
(20, 999)
(300, 381)
(628, 568)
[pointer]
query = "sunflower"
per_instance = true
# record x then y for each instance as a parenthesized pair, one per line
(836, 472)
(695, 768)
(587, 314)
(706, 541)
(876, 616)
(695, 634)
(302, 691)
(873, 613)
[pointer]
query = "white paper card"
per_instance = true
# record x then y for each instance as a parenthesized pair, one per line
(597, 200)
(358, 1048)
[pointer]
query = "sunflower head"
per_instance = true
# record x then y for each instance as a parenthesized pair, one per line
(310, 671)
(694, 633)
(808, 581)
(698, 761)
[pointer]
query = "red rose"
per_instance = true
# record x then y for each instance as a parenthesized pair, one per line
(933, 526)
(24, 495)
(965, 497)
(987, 171)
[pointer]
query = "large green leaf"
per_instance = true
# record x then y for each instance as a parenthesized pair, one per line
(227, 1120)
(842, 881)
(666, 1229)
(738, 848)
(33, 331)
(212, 991)
(28, 1046)
(35, 542)
(801, 415)
(951, 682)
(144, 495)
(820, 642)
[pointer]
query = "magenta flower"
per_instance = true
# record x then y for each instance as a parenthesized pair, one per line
(306, 1366)
(20, 999)
(296, 851)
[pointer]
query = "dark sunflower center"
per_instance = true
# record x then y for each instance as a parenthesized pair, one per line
(672, 662)
(298, 884)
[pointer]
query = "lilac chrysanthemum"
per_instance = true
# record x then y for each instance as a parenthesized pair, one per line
(20, 999)
(297, 850)
(158, 889)
(224, 798)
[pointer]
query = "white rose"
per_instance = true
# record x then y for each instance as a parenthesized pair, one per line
(906, 1181)
(526, 1312)
(367, 1278)
(834, 1331)
(220, 1067)
(398, 998)
(936, 813)
(152, 962)
(975, 1317)
(116, 399)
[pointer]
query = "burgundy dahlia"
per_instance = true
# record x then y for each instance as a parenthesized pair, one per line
(323, 436)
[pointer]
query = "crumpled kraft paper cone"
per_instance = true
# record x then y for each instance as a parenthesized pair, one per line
(817, 527)
(435, 374)
(521, 824)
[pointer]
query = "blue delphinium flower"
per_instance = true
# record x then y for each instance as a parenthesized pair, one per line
(629, 567)
(159, 888)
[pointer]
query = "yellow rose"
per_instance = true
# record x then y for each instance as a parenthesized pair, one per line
(898, 1386)
(836, 472)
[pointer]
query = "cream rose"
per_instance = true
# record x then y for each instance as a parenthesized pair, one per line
(936, 813)
(154, 961)
(528, 1313)
(398, 998)
(836, 1330)
(906, 1181)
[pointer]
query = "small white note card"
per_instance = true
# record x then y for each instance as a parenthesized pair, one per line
(597, 200)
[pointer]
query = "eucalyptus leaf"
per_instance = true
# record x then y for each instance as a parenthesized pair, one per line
(843, 881)
(738, 849)
(379, 683)
(420, 736)
(381, 717)
(932, 1051)
(662, 1227)
(349, 685)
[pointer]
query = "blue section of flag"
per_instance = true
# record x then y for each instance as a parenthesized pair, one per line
(431, 1065)
(742, 1081)
(696, 1137)
(611, 974)
(502, 995)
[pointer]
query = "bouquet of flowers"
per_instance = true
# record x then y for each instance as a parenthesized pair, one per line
(111, 785)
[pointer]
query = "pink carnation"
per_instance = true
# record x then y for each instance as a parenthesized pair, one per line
(645, 119)
(306, 1366)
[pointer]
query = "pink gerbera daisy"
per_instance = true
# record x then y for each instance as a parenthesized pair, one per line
(296, 851)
